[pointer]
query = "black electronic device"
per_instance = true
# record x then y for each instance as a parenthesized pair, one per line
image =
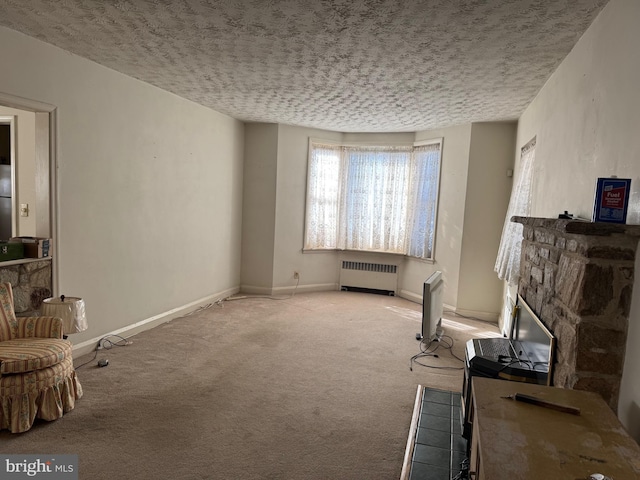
(527, 356)
(529, 350)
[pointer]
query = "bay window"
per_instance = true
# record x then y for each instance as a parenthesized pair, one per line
(373, 198)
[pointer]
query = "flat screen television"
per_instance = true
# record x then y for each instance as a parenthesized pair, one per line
(432, 292)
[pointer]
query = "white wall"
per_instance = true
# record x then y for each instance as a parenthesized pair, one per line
(259, 207)
(586, 121)
(25, 168)
(487, 198)
(273, 219)
(450, 221)
(318, 271)
(150, 188)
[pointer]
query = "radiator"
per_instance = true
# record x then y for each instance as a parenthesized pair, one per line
(373, 276)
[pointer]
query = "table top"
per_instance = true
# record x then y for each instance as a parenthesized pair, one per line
(522, 441)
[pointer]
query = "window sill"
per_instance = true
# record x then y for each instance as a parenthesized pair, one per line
(369, 252)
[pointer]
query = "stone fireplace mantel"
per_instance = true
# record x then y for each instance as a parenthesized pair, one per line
(578, 278)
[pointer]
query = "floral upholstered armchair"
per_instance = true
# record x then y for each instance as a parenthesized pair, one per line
(37, 378)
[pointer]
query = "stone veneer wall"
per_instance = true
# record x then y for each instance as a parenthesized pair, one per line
(30, 282)
(578, 278)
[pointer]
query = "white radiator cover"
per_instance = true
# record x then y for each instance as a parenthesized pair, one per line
(376, 276)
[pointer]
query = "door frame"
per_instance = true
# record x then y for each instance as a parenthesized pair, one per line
(47, 196)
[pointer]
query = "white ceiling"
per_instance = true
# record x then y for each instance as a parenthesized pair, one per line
(345, 65)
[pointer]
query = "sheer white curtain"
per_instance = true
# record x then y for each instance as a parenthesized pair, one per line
(323, 197)
(425, 179)
(508, 261)
(380, 198)
(374, 199)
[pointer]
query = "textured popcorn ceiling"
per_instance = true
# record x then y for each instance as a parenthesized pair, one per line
(345, 65)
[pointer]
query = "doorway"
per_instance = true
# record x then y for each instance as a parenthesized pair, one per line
(7, 178)
(35, 183)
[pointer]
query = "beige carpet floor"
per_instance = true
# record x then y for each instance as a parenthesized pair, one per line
(317, 386)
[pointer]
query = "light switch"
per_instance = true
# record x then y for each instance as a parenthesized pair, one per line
(24, 209)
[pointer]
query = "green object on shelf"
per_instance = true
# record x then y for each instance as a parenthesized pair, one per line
(11, 251)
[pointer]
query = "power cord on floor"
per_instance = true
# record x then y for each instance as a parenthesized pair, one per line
(428, 349)
(463, 474)
(95, 355)
(105, 343)
(217, 303)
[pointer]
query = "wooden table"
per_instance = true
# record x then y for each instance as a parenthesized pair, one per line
(513, 440)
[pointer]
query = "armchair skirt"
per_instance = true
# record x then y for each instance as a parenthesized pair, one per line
(46, 394)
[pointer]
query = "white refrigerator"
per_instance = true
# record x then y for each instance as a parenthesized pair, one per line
(5, 202)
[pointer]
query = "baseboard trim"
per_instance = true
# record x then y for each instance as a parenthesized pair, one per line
(491, 317)
(318, 287)
(412, 297)
(484, 316)
(89, 346)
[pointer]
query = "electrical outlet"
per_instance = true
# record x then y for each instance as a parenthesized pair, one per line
(296, 275)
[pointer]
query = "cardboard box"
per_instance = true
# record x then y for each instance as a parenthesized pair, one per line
(11, 251)
(34, 247)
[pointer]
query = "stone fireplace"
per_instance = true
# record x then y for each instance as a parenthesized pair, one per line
(31, 280)
(578, 278)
